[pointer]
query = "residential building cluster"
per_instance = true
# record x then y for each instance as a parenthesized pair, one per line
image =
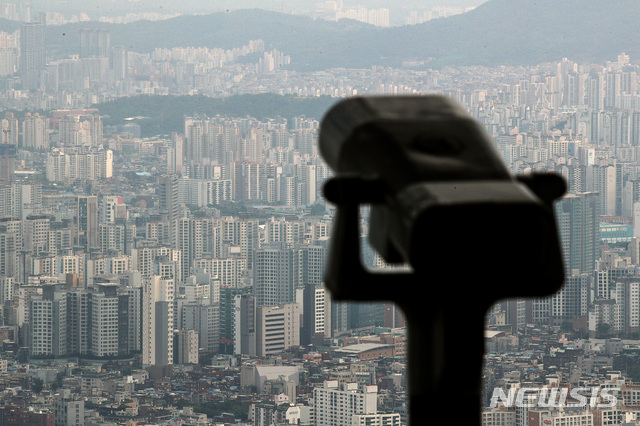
(151, 268)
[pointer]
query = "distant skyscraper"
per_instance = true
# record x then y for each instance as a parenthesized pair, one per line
(87, 221)
(79, 325)
(578, 216)
(244, 324)
(104, 322)
(595, 91)
(33, 58)
(10, 129)
(35, 236)
(168, 196)
(273, 277)
(175, 154)
(228, 297)
(118, 62)
(94, 43)
(308, 187)
(157, 321)
(316, 314)
(8, 147)
(48, 323)
(35, 132)
(26, 200)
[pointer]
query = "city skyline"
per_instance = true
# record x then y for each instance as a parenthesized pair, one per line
(164, 233)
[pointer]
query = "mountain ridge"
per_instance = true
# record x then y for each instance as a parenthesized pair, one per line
(498, 32)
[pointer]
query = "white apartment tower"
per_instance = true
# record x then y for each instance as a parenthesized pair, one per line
(157, 321)
(35, 132)
(48, 323)
(104, 324)
(333, 405)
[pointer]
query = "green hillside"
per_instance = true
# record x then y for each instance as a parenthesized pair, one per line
(165, 114)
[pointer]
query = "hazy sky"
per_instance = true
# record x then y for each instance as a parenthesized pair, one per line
(121, 7)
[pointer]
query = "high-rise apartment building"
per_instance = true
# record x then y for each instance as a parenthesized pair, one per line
(168, 196)
(35, 132)
(78, 325)
(67, 165)
(204, 320)
(110, 319)
(7, 286)
(229, 271)
(158, 260)
(94, 43)
(101, 322)
(273, 275)
(116, 236)
(243, 233)
(8, 147)
(118, 63)
(104, 325)
(227, 316)
(133, 319)
(35, 233)
(48, 323)
(87, 221)
(196, 237)
(157, 321)
(10, 247)
(25, 200)
(33, 58)
(577, 217)
(603, 180)
(244, 324)
(109, 207)
(81, 130)
(334, 405)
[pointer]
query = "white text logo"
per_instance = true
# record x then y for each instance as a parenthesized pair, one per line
(555, 397)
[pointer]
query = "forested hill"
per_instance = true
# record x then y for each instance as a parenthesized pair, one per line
(165, 114)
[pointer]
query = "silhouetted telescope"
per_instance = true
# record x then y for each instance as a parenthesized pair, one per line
(444, 204)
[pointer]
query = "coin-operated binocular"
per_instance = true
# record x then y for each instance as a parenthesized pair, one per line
(444, 204)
